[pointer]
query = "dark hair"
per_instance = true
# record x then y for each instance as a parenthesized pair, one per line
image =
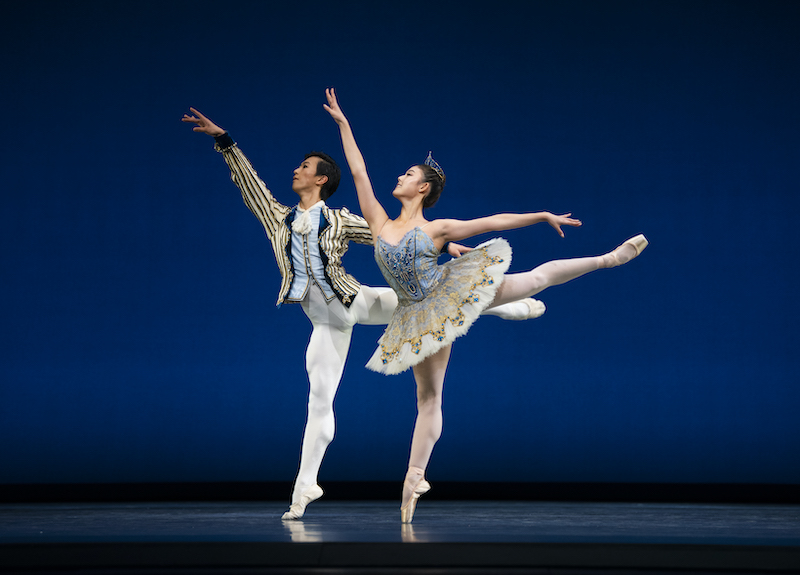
(326, 167)
(437, 185)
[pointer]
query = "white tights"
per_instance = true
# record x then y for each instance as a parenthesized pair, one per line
(544, 276)
(332, 328)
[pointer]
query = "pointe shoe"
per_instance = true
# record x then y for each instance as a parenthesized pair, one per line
(638, 243)
(407, 511)
(297, 510)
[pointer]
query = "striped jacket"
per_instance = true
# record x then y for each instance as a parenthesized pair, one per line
(337, 227)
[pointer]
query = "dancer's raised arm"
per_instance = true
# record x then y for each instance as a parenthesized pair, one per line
(371, 208)
(202, 124)
(447, 230)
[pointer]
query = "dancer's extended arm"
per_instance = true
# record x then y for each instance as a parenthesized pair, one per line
(255, 193)
(453, 230)
(371, 208)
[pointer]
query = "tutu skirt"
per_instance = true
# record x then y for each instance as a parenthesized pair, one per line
(419, 329)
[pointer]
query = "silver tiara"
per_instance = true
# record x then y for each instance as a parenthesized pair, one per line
(429, 161)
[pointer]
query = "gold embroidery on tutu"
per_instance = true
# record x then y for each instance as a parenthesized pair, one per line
(436, 305)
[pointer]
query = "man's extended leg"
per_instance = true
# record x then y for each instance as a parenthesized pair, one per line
(374, 306)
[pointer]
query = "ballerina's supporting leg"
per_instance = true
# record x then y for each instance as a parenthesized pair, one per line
(429, 375)
(527, 284)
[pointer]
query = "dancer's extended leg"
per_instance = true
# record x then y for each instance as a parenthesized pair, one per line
(429, 375)
(375, 305)
(526, 284)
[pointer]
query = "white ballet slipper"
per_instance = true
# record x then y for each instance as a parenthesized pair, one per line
(297, 510)
(535, 308)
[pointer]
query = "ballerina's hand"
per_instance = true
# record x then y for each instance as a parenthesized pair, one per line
(563, 220)
(332, 107)
(203, 124)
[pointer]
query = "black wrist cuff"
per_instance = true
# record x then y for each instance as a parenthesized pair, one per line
(224, 141)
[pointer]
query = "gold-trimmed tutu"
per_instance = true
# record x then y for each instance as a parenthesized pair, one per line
(457, 293)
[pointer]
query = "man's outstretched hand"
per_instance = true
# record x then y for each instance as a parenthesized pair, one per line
(202, 124)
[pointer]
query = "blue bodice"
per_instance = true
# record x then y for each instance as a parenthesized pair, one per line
(410, 267)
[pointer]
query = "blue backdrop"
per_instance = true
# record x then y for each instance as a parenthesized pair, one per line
(140, 339)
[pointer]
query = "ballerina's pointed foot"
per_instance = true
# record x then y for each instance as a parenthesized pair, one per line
(626, 252)
(298, 509)
(421, 488)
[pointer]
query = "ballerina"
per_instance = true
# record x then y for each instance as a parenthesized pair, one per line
(438, 303)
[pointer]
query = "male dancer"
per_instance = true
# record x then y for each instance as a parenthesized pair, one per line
(309, 241)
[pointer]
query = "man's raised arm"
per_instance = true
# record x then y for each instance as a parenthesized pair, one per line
(258, 199)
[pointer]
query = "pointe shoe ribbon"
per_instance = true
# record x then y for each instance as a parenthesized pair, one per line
(407, 511)
(298, 509)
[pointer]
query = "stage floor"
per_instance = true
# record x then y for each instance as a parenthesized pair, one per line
(446, 536)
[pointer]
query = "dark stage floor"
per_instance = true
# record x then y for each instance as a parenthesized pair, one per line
(367, 537)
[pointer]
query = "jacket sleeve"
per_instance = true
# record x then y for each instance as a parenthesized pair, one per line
(356, 228)
(255, 194)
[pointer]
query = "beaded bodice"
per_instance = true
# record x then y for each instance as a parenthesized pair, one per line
(410, 267)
